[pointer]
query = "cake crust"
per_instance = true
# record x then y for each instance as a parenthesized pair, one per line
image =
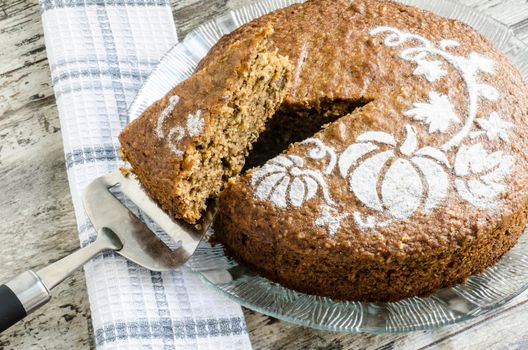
(421, 187)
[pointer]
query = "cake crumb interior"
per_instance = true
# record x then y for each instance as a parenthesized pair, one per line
(220, 153)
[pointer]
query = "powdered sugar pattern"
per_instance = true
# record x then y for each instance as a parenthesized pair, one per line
(431, 70)
(494, 128)
(194, 125)
(377, 136)
(364, 179)
(330, 219)
(436, 179)
(283, 180)
(437, 113)
(481, 174)
(370, 222)
(175, 135)
(392, 178)
(320, 152)
(173, 101)
(402, 188)
(468, 67)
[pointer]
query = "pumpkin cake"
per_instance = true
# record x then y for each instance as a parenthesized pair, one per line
(419, 178)
(405, 163)
(184, 146)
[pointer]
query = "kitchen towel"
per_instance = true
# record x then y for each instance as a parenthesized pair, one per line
(100, 52)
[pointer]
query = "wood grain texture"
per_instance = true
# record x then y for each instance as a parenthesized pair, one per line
(37, 223)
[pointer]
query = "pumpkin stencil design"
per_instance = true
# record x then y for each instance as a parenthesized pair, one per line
(283, 180)
(403, 184)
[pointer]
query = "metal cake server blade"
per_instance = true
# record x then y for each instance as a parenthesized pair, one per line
(119, 230)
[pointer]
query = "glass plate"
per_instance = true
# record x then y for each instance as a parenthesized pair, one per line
(482, 293)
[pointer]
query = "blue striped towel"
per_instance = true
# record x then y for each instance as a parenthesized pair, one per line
(100, 53)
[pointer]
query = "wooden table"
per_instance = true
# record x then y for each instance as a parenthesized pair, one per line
(37, 224)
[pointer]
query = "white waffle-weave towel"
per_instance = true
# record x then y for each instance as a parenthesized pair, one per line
(100, 53)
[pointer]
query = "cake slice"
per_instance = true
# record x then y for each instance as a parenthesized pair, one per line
(185, 146)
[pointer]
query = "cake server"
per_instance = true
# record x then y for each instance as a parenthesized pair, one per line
(118, 230)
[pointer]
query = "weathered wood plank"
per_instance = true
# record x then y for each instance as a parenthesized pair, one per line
(189, 13)
(38, 225)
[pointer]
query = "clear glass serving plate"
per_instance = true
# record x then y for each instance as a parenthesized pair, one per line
(482, 293)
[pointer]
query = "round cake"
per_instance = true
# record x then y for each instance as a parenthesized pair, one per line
(418, 177)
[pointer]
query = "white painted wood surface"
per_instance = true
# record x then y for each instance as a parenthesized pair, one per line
(37, 224)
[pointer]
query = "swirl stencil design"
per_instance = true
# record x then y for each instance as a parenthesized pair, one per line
(193, 126)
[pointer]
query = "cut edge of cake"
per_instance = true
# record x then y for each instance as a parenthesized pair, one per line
(221, 138)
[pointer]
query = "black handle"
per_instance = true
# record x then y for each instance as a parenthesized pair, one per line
(11, 309)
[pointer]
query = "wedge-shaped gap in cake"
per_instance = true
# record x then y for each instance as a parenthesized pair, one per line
(295, 123)
(186, 158)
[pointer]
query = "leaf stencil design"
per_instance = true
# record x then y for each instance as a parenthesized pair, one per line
(438, 113)
(434, 153)
(475, 159)
(469, 68)
(432, 70)
(481, 63)
(494, 127)
(490, 170)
